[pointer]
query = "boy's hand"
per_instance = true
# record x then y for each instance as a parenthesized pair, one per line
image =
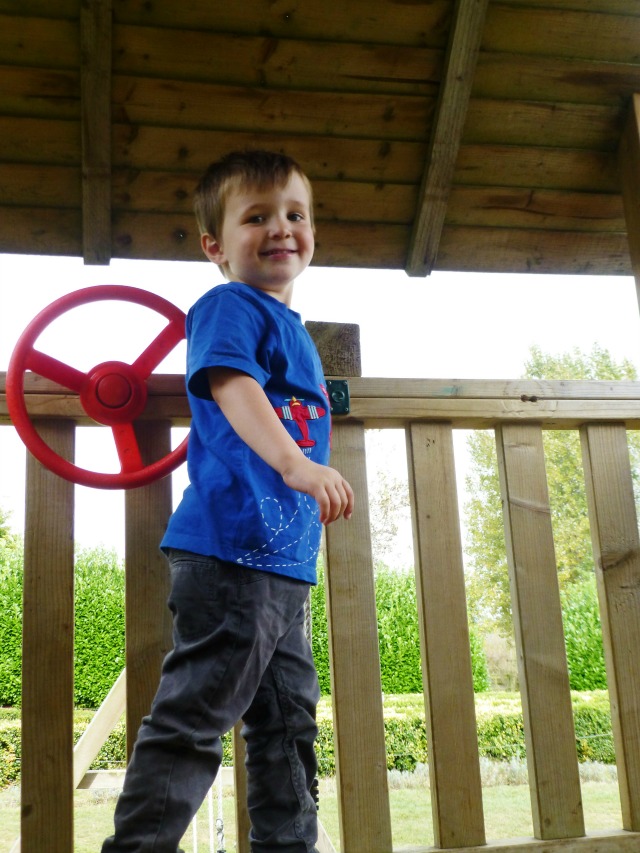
(332, 492)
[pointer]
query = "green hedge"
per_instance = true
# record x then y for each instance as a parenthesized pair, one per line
(500, 736)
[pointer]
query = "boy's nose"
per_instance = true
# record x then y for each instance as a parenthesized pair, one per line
(281, 227)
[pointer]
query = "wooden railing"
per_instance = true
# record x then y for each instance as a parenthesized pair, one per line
(428, 411)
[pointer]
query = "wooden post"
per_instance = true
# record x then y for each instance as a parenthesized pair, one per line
(454, 765)
(47, 652)
(363, 797)
(554, 781)
(243, 822)
(148, 621)
(616, 551)
(629, 161)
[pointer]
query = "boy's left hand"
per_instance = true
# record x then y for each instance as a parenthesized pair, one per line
(332, 492)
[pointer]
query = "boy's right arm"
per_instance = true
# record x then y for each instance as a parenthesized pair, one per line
(248, 410)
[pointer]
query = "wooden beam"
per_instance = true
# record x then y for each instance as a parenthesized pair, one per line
(451, 112)
(47, 652)
(629, 158)
(95, 76)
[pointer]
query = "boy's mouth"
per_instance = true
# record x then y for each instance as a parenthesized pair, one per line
(271, 252)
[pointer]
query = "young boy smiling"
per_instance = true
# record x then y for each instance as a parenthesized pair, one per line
(242, 544)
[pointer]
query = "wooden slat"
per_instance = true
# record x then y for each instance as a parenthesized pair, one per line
(454, 767)
(616, 548)
(148, 622)
(47, 653)
(538, 166)
(449, 120)
(552, 123)
(554, 79)
(100, 727)
(542, 664)
(598, 842)
(363, 796)
(629, 155)
(95, 86)
(34, 185)
(467, 403)
(358, 20)
(243, 822)
(558, 32)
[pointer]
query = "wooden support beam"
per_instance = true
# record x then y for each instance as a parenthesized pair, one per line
(554, 782)
(629, 160)
(451, 113)
(454, 765)
(95, 76)
(616, 551)
(148, 621)
(47, 652)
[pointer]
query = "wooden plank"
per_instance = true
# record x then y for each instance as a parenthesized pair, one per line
(275, 62)
(538, 166)
(358, 20)
(172, 384)
(561, 32)
(363, 796)
(451, 110)
(148, 621)
(47, 652)
(554, 124)
(34, 185)
(22, 139)
(629, 156)
(554, 79)
(520, 250)
(454, 765)
(391, 402)
(95, 88)
(616, 548)
(323, 157)
(597, 842)
(289, 111)
(552, 760)
(520, 207)
(243, 822)
(100, 727)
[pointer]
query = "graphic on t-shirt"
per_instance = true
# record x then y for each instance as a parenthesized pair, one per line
(298, 412)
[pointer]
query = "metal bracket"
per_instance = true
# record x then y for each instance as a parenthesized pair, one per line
(338, 391)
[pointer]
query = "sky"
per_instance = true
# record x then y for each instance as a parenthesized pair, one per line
(449, 325)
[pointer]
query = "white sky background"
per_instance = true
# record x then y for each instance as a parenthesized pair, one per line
(450, 325)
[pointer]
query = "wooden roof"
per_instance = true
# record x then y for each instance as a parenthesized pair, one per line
(470, 135)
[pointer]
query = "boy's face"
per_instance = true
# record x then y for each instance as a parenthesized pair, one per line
(267, 237)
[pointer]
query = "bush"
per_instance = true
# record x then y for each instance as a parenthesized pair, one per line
(100, 625)
(11, 561)
(583, 636)
(398, 635)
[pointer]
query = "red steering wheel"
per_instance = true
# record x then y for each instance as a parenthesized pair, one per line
(112, 393)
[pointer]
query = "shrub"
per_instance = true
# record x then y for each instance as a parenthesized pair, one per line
(11, 561)
(583, 636)
(398, 635)
(100, 625)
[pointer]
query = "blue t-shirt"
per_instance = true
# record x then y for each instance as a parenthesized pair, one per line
(237, 507)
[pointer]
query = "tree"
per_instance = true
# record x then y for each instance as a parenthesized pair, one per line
(488, 586)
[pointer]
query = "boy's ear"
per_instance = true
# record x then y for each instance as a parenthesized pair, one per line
(212, 249)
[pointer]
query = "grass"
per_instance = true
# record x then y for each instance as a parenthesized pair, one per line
(507, 809)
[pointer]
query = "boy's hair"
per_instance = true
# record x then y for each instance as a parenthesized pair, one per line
(241, 169)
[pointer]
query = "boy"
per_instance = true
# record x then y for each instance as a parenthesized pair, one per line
(242, 545)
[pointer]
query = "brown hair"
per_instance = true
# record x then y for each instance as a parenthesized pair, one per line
(251, 168)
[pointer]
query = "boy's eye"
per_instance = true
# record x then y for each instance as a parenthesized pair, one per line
(295, 217)
(256, 218)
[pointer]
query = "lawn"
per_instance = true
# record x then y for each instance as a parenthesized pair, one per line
(506, 806)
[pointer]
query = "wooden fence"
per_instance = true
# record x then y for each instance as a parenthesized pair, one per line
(428, 411)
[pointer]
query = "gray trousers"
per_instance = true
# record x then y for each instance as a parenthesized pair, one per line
(240, 652)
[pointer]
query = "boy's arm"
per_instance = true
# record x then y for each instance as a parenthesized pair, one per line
(248, 410)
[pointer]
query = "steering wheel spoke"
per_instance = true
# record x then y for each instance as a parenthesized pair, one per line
(57, 371)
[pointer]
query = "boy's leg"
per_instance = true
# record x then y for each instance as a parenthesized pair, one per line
(280, 731)
(227, 622)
